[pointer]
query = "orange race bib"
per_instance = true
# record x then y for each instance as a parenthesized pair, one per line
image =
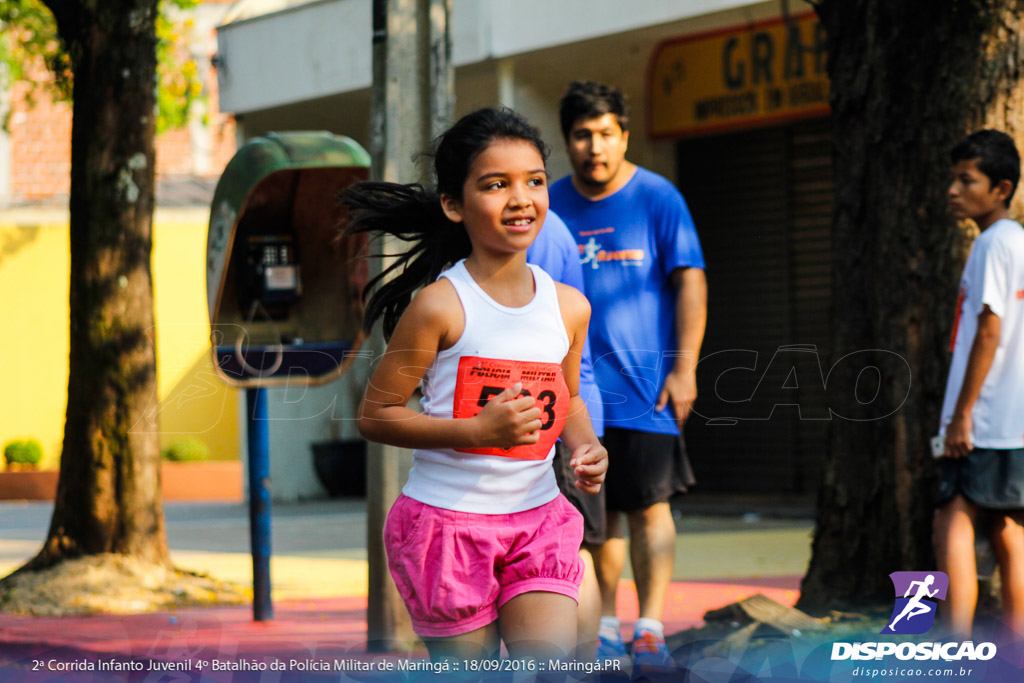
(481, 379)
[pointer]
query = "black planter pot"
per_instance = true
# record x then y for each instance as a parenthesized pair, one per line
(341, 467)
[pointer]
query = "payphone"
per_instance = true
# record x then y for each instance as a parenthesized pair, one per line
(283, 289)
(269, 274)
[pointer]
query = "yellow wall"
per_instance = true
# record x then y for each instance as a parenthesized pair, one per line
(34, 267)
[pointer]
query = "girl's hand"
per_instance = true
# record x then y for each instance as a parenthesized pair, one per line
(590, 461)
(509, 420)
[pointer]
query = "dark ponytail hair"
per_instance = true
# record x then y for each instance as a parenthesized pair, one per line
(414, 215)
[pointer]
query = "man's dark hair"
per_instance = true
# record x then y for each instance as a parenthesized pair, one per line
(586, 99)
(996, 154)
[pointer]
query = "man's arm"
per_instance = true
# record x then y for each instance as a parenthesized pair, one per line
(983, 351)
(691, 318)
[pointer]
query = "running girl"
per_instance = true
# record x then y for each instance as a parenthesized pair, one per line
(481, 544)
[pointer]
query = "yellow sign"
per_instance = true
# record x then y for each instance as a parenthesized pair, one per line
(738, 78)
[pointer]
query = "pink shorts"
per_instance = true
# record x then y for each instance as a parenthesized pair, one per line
(455, 569)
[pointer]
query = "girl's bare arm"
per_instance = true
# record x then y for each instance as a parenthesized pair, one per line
(589, 457)
(434, 321)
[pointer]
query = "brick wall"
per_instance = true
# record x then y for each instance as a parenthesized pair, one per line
(40, 142)
(221, 127)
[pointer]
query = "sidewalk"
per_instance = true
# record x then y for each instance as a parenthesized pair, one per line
(319, 578)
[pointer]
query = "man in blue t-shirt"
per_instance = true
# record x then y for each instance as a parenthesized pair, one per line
(644, 275)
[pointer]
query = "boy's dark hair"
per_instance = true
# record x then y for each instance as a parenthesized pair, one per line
(587, 99)
(996, 154)
(414, 215)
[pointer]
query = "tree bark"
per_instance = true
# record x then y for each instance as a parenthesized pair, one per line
(908, 80)
(108, 495)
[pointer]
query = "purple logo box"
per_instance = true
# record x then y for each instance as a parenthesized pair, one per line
(917, 596)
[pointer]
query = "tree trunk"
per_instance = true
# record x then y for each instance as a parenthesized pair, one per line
(908, 79)
(108, 496)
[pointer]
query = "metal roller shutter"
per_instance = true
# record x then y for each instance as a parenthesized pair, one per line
(761, 201)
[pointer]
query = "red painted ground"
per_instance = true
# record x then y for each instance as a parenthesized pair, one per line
(327, 628)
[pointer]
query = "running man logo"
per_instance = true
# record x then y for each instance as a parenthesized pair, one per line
(592, 253)
(914, 612)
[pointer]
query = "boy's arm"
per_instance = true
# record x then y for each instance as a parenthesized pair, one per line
(983, 351)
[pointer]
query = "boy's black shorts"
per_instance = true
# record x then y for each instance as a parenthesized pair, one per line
(591, 506)
(644, 468)
(990, 478)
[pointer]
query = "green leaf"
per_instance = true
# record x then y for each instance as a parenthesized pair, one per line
(29, 43)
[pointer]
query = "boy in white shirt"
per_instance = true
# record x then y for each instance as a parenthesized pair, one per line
(983, 412)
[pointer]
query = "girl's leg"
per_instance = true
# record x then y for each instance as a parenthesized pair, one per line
(954, 550)
(482, 643)
(1008, 543)
(538, 625)
(589, 612)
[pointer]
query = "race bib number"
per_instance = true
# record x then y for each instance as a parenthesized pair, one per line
(481, 379)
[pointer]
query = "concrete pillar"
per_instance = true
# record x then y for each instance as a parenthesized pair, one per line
(506, 76)
(413, 101)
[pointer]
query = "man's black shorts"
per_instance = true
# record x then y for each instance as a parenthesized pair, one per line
(644, 468)
(591, 506)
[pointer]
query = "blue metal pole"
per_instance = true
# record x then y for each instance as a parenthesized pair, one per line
(259, 502)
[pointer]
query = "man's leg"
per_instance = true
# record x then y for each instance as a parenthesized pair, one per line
(652, 548)
(954, 550)
(609, 561)
(1008, 543)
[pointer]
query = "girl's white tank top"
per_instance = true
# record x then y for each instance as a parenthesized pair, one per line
(535, 333)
